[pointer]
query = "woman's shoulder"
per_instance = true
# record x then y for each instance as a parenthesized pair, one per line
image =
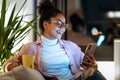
(30, 47)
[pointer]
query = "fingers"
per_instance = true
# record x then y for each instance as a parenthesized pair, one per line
(89, 58)
(89, 61)
(88, 64)
(88, 72)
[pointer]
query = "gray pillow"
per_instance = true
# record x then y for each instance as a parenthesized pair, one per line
(6, 78)
(23, 73)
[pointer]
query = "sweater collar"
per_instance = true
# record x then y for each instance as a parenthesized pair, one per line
(39, 40)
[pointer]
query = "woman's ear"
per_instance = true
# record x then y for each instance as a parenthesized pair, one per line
(45, 24)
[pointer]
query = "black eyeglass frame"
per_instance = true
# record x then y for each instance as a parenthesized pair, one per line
(60, 24)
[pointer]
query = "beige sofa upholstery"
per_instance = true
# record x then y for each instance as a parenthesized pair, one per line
(22, 73)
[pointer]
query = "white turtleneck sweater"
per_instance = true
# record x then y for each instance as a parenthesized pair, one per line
(54, 60)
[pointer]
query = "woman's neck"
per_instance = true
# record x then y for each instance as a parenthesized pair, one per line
(48, 41)
(48, 36)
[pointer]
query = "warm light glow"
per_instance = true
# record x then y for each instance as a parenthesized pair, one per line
(118, 25)
(94, 31)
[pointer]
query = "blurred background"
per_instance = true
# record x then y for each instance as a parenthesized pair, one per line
(89, 21)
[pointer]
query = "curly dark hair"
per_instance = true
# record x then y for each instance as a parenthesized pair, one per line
(46, 11)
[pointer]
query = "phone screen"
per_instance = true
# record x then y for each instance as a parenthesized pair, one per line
(90, 47)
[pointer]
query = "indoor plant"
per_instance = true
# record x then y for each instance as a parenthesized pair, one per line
(14, 32)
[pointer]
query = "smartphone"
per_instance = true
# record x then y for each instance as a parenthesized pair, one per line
(91, 48)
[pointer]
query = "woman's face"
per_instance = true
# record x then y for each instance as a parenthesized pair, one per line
(54, 28)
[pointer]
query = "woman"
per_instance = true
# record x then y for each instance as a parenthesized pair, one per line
(55, 58)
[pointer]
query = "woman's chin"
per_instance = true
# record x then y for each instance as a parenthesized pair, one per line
(58, 37)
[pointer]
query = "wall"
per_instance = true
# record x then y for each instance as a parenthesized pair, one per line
(27, 9)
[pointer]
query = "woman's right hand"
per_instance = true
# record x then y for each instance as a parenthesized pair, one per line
(89, 65)
(89, 61)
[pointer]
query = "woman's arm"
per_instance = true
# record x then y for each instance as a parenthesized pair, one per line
(16, 60)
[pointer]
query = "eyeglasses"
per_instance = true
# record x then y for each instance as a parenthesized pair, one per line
(60, 24)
